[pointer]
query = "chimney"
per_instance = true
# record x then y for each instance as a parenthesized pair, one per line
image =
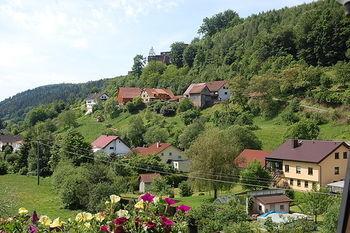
(158, 144)
(295, 143)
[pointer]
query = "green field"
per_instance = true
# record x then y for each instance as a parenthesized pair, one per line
(22, 191)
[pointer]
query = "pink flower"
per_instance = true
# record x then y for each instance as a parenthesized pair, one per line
(184, 208)
(151, 225)
(147, 197)
(104, 228)
(167, 221)
(35, 218)
(120, 221)
(33, 229)
(169, 201)
(119, 229)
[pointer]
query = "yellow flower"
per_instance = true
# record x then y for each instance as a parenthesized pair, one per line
(87, 225)
(107, 202)
(123, 213)
(84, 217)
(100, 216)
(115, 199)
(23, 211)
(57, 223)
(139, 205)
(46, 221)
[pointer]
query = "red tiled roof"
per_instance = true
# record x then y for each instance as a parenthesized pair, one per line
(271, 199)
(153, 149)
(313, 151)
(127, 93)
(10, 138)
(216, 85)
(103, 141)
(149, 177)
(195, 88)
(154, 92)
(248, 155)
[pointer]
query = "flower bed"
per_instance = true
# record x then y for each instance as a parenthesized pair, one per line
(149, 214)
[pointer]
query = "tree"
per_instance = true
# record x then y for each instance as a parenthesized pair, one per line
(190, 133)
(184, 105)
(244, 138)
(177, 53)
(36, 115)
(136, 131)
(2, 125)
(156, 134)
(316, 203)
(255, 177)
(342, 71)
(68, 119)
(219, 22)
(189, 55)
(331, 216)
(135, 105)
(190, 115)
(137, 67)
(211, 157)
(111, 108)
(304, 129)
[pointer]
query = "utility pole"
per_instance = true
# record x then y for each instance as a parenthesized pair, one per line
(38, 162)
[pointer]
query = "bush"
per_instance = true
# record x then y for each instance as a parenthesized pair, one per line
(185, 105)
(245, 118)
(242, 227)
(185, 189)
(135, 106)
(3, 168)
(169, 109)
(289, 117)
(317, 117)
(99, 195)
(160, 187)
(189, 116)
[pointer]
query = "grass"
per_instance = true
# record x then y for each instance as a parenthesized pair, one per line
(22, 191)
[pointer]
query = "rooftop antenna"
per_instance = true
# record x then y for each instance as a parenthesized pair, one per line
(151, 52)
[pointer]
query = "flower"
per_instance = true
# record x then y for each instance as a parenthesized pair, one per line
(151, 225)
(22, 211)
(33, 229)
(100, 216)
(46, 221)
(57, 223)
(87, 225)
(147, 197)
(156, 200)
(104, 228)
(84, 217)
(35, 217)
(170, 201)
(184, 208)
(120, 221)
(115, 199)
(107, 203)
(123, 213)
(167, 221)
(139, 205)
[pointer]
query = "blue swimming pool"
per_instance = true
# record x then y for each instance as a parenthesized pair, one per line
(271, 212)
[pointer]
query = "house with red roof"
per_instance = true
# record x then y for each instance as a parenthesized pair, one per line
(247, 156)
(206, 94)
(127, 94)
(304, 164)
(111, 145)
(168, 153)
(146, 180)
(151, 94)
(13, 141)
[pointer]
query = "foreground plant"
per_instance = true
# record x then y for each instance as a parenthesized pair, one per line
(149, 214)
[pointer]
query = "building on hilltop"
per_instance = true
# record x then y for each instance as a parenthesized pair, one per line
(93, 99)
(14, 141)
(304, 164)
(127, 94)
(163, 57)
(111, 145)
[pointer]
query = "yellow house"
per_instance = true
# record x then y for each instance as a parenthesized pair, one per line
(304, 164)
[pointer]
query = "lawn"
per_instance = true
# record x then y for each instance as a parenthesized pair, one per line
(22, 191)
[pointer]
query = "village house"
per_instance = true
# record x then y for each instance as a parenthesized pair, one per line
(248, 156)
(168, 153)
(304, 164)
(93, 99)
(14, 141)
(127, 94)
(111, 145)
(206, 94)
(149, 95)
(146, 180)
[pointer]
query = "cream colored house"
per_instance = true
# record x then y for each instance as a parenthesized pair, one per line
(304, 164)
(149, 95)
(168, 153)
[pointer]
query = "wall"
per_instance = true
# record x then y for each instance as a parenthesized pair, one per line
(221, 93)
(328, 164)
(270, 207)
(119, 148)
(173, 154)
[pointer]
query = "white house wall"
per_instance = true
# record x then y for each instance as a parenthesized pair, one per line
(224, 93)
(116, 147)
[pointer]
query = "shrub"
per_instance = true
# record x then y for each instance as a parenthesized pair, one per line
(185, 189)
(160, 187)
(189, 116)
(99, 194)
(168, 109)
(317, 117)
(135, 106)
(185, 105)
(245, 118)
(3, 168)
(242, 227)
(289, 116)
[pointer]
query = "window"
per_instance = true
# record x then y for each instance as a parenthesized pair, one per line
(298, 169)
(281, 207)
(310, 171)
(298, 183)
(225, 92)
(345, 155)
(111, 148)
(162, 154)
(306, 184)
(170, 153)
(337, 155)
(291, 182)
(260, 207)
(286, 168)
(176, 165)
(336, 171)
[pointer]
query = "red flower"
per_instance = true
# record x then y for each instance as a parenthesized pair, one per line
(104, 228)
(120, 221)
(169, 201)
(147, 197)
(167, 221)
(184, 208)
(151, 225)
(33, 229)
(35, 218)
(119, 229)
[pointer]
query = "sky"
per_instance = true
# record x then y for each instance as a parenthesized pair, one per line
(72, 41)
